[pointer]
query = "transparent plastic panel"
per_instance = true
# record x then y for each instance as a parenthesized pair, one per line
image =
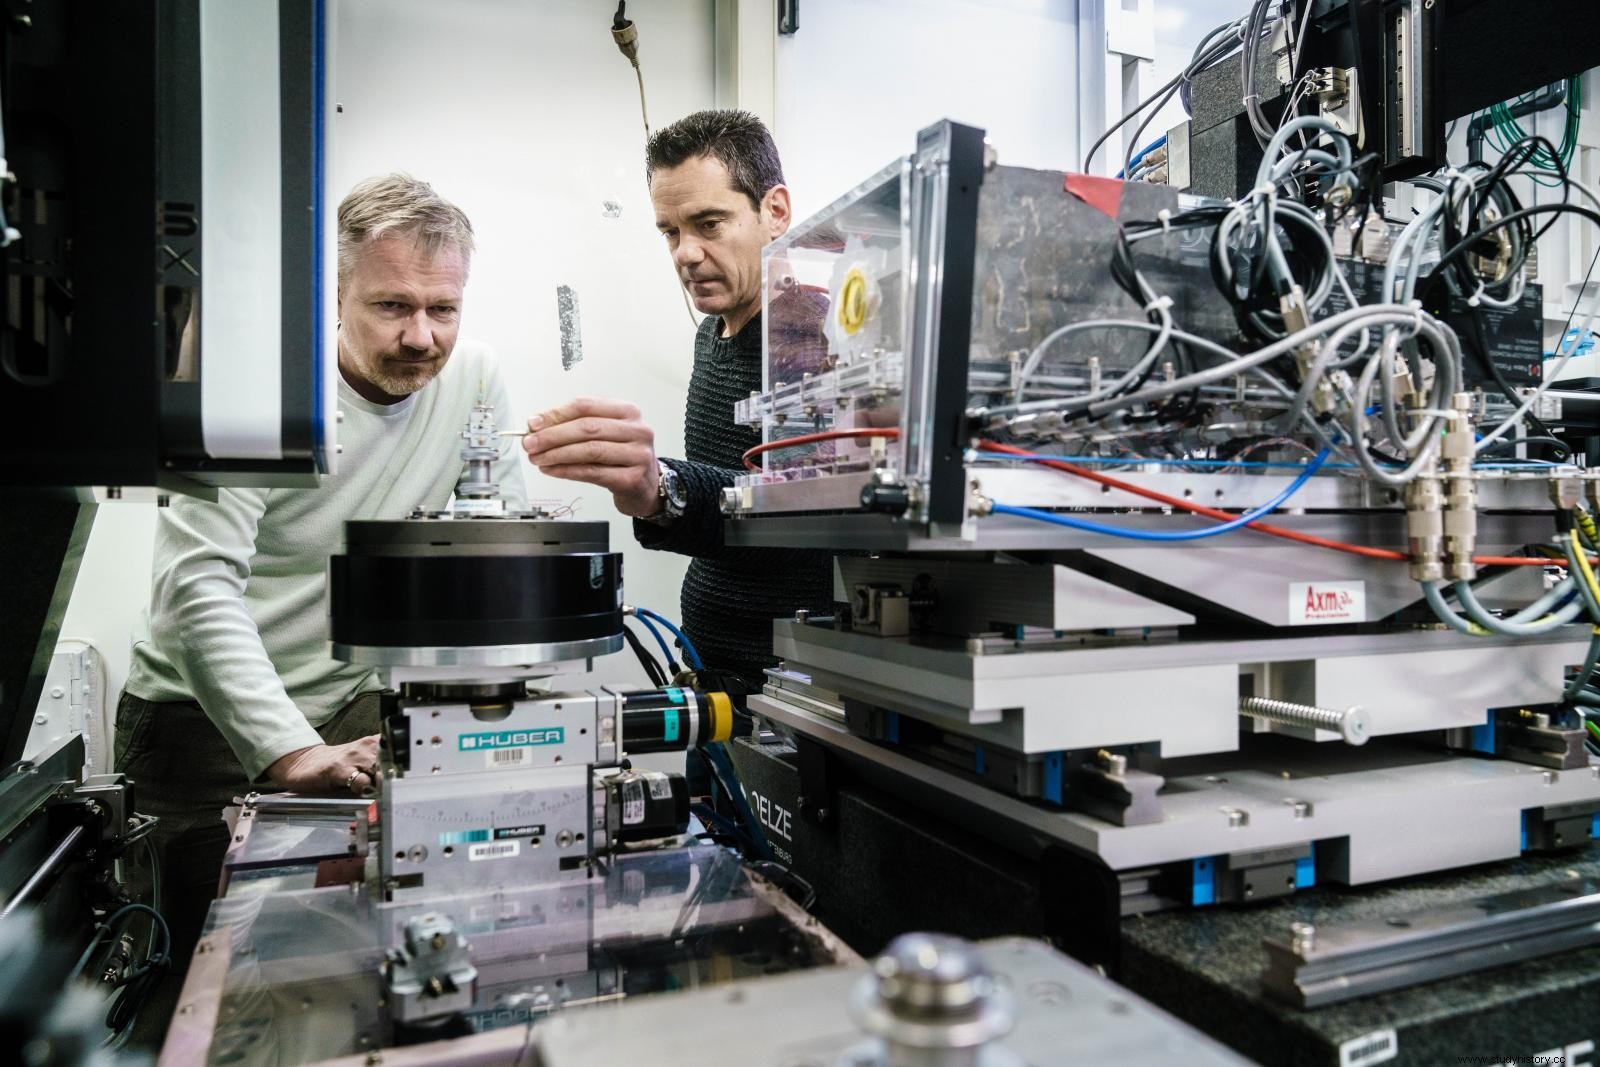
(833, 329)
(303, 982)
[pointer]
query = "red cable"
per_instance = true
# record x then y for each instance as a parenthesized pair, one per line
(812, 438)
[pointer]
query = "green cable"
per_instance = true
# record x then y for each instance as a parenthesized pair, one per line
(1504, 131)
(1593, 729)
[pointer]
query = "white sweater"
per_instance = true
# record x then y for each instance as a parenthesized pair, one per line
(237, 619)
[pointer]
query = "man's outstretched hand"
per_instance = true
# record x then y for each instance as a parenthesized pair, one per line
(602, 442)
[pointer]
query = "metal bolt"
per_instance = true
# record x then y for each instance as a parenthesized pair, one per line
(1113, 763)
(1351, 723)
(437, 941)
(1305, 937)
(417, 854)
(801, 615)
(931, 999)
(1302, 808)
(41, 719)
(1236, 816)
(1550, 777)
(564, 838)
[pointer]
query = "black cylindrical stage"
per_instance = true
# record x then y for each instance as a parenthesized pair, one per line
(474, 591)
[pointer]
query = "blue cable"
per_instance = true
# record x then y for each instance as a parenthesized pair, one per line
(666, 649)
(1145, 151)
(689, 651)
(1170, 535)
(719, 763)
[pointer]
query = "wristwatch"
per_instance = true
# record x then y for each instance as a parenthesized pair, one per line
(670, 491)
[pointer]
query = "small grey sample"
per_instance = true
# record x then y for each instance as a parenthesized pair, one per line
(571, 338)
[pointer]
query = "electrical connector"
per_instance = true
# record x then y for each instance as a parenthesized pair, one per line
(1296, 317)
(1460, 491)
(625, 33)
(1566, 491)
(1425, 528)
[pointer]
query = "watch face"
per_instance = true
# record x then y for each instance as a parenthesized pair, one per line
(672, 488)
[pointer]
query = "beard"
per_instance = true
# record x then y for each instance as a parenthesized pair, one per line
(399, 377)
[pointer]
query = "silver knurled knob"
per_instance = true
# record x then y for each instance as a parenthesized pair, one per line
(930, 996)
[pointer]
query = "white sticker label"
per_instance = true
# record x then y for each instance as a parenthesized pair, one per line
(494, 850)
(1311, 603)
(660, 787)
(1368, 1049)
(632, 802)
(507, 757)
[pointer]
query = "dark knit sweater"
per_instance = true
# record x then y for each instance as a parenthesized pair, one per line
(730, 595)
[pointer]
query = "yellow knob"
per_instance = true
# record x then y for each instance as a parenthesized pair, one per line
(853, 302)
(721, 717)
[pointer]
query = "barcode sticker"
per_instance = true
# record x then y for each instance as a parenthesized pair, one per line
(507, 757)
(494, 850)
(660, 787)
(632, 802)
(1377, 1047)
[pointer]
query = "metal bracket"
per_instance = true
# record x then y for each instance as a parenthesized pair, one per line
(1118, 793)
(1314, 966)
(1559, 826)
(1530, 737)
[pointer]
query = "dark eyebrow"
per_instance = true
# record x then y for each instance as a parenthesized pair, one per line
(710, 212)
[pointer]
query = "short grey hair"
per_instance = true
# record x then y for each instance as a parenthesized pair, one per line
(400, 205)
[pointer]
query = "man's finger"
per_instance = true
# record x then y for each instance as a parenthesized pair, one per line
(586, 428)
(593, 454)
(580, 407)
(612, 479)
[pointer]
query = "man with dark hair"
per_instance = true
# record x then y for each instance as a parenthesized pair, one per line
(717, 187)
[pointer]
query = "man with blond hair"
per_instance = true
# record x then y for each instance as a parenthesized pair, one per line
(231, 686)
